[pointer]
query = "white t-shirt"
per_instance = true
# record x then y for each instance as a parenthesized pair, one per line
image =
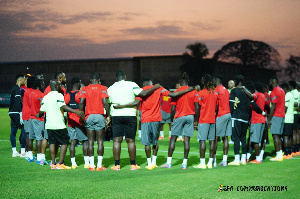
(289, 103)
(296, 99)
(123, 92)
(54, 115)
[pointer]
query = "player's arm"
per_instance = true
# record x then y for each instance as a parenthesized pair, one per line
(82, 104)
(173, 112)
(129, 105)
(248, 93)
(145, 93)
(197, 112)
(180, 93)
(39, 114)
(69, 109)
(106, 107)
(272, 109)
(232, 101)
(256, 108)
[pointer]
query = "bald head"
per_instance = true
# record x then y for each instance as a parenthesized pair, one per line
(55, 85)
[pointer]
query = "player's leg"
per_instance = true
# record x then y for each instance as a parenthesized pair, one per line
(62, 138)
(211, 137)
(13, 133)
(202, 135)
(91, 140)
(118, 133)
(130, 126)
(176, 131)
(146, 140)
(73, 137)
(244, 128)
(140, 126)
(276, 131)
(236, 131)
(155, 144)
(100, 149)
(188, 132)
(161, 132)
(23, 142)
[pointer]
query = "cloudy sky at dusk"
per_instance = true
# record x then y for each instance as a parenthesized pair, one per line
(35, 30)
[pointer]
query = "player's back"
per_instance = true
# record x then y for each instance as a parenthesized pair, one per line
(185, 103)
(208, 102)
(239, 104)
(223, 100)
(93, 95)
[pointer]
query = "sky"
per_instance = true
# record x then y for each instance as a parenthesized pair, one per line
(37, 30)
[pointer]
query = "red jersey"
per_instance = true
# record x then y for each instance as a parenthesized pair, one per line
(35, 99)
(185, 103)
(93, 95)
(73, 118)
(166, 103)
(26, 110)
(48, 90)
(278, 96)
(150, 106)
(207, 101)
(223, 100)
(261, 100)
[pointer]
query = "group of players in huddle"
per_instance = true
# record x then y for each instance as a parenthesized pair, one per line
(216, 112)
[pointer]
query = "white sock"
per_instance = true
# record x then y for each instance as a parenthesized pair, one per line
(202, 161)
(38, 157)
(258, 158)
(210, 161)
(169, 160)
(248, 155)
(140, 133)
(86, 160)
(225, 158)
(149, 162)
(43, 157)
(261, 154)
(14, 150)
(279, 154)
(73, 161)
(237, 158)
(169, 133)
(161, 133)
(91, 159)
(27, 154)
(22, 150)
(100, 158)
(184, 161)
(154, 159)
(30, 155)
(180, 137)
(243, 159)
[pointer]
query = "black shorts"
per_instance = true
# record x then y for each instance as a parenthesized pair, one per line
(124, 126)
(296, 124)
(287, 129)
(15, 120)
(59, 136)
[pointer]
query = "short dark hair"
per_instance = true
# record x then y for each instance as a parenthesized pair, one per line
(293, 84)
(120, 73)
(284, 86)
(250, 86)
(37, 83)
(20, 75)
(259, 87)
(146, 79)
(239, 79)
(184, 76)
(75, 80)
(274, 77)
(56, 76)
(30, 81)
(219, 77)
(95, 75)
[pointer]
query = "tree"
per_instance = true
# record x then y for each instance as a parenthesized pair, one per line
(193, 62)
(198, 50)
(293, 67)
(249, 53)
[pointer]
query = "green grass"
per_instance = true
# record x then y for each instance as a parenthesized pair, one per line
(20, 179)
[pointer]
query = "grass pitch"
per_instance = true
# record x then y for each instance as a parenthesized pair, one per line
(20, 179)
